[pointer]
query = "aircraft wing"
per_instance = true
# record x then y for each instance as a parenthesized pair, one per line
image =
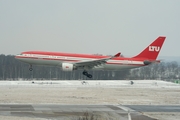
(93, 63)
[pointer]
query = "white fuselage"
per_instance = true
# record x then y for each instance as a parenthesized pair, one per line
(52, 60)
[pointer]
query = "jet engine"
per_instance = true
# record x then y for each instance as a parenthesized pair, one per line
(147, 62)
(67, 67)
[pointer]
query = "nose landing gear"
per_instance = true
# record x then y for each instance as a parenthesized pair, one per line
(30, 68)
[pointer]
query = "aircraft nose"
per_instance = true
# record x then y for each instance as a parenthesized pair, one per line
(17, 57)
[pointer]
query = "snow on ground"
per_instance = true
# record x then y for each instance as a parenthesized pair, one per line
(90, 92)
(142, 92)
(92, 83)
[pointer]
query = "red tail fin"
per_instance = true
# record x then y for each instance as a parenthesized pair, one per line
(152, 51)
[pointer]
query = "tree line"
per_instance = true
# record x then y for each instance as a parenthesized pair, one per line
(12, 69)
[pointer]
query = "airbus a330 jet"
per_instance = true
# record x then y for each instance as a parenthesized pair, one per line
(85, 62)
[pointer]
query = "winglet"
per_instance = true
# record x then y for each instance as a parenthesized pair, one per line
(117, 55)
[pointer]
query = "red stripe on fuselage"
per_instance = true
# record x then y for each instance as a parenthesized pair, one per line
(81, 55)
(65, 54)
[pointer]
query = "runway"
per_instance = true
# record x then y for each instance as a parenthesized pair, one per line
(73, 112)
(155, 108)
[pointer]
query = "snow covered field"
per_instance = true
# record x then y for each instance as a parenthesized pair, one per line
(141, 92)
(92, 83)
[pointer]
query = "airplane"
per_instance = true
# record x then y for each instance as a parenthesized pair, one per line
(85, 62)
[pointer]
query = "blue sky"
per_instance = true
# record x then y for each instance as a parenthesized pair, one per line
(89, 26)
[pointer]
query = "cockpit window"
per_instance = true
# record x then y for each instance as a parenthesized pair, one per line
(21, 54)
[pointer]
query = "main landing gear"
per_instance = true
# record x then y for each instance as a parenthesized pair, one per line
(87, 74)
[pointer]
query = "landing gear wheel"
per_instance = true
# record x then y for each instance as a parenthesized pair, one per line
(30, 69)
(89, 75)
(85, 73)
